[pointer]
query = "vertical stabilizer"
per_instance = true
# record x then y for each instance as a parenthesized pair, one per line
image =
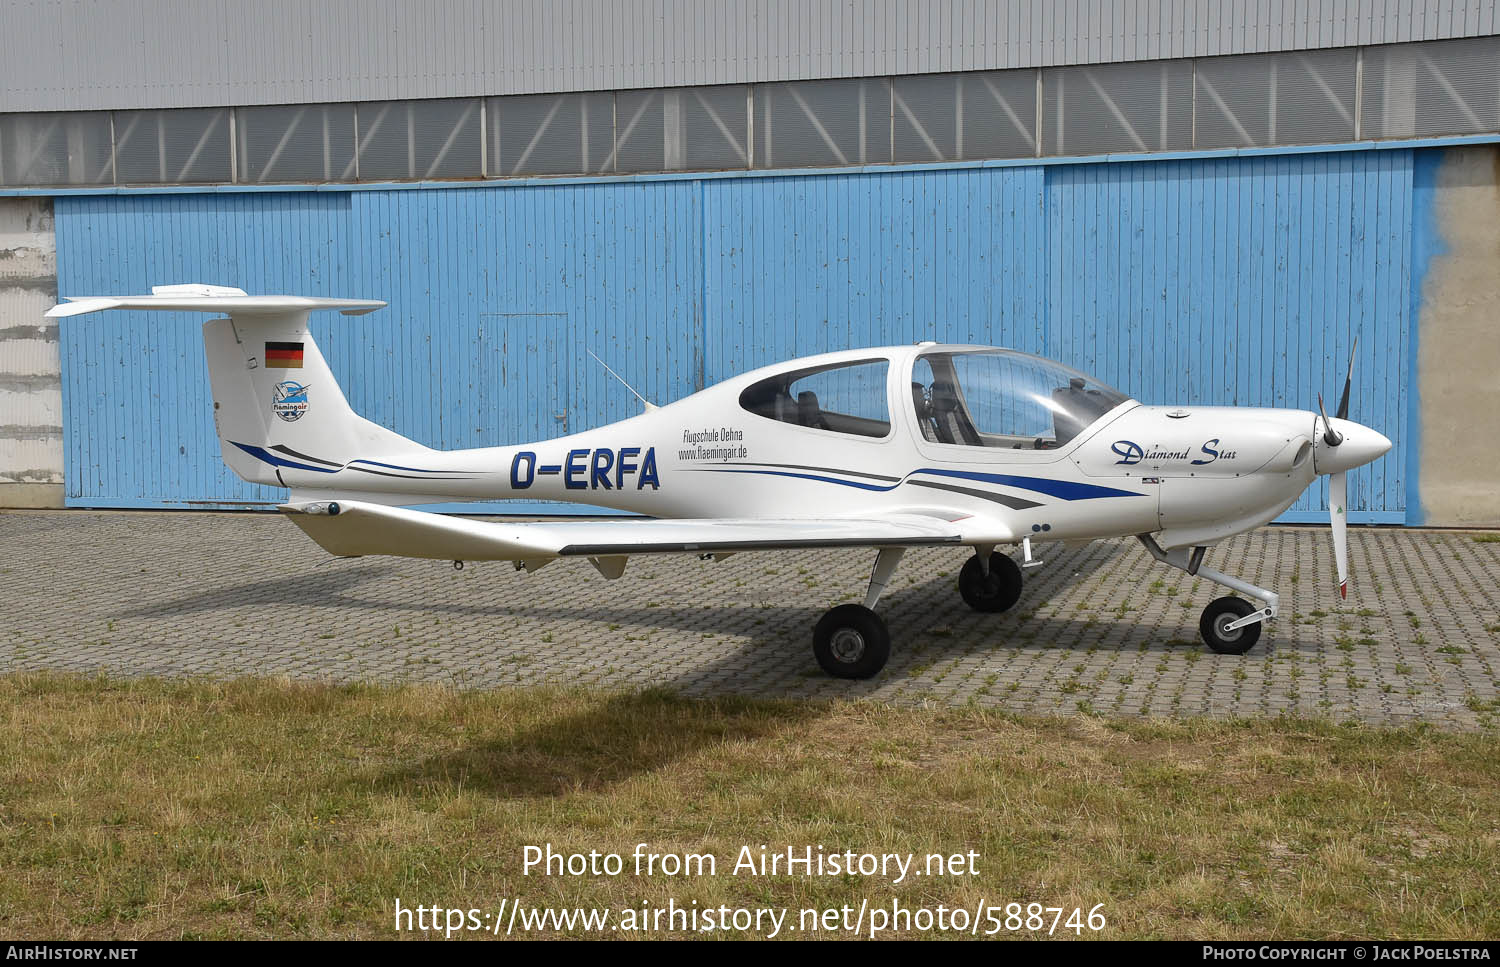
(276, 404)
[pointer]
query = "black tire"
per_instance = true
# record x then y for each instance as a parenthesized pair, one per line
(1220, 612)
(851, 642)
(996, 591)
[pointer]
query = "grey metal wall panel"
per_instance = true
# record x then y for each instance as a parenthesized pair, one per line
(305, 142)
(1427, 88)
(955, 117)
(172, 147)
(550, 134)
(152, 53)
(836, 122)
(56, 149)
(1119, 107)
(399, 141)
(1299, 97)
(674, 129)
(1431, 89)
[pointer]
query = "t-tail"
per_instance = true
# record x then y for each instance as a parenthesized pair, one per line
(276, 404)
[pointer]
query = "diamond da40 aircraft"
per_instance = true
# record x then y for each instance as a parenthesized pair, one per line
(888, 448)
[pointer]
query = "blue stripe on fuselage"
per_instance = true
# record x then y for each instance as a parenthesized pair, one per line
(260, 453)
(392, 466)
(1062, 489)
(809, 476)
(1065, 489)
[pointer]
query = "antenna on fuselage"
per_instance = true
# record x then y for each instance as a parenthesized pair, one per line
(644, 402)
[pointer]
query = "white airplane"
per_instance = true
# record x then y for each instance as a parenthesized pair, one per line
(886, 448)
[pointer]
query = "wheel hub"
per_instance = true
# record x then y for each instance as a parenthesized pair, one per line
(847, 645)
(1224, 630)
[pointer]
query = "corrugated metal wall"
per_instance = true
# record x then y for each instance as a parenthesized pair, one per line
(1243, 282)
(1224, 281)
(494, 296)
(149, 53)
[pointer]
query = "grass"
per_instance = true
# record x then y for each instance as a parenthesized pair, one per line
(159, 809)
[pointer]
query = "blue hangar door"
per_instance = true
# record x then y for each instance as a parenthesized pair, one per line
(1237, 281)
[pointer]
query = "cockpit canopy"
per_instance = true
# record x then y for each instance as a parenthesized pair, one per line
(1001, 398)
(961, 397)
(847, 397)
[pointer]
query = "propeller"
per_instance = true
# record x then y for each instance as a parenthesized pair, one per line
(1331, 436)
(1338, 518)
(1343, 412)
(1340, 523)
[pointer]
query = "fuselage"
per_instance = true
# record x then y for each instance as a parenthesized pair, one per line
(927, 429)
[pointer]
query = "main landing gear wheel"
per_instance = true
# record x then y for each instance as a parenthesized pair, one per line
(996, 591)
(1224, 611)
(851, 642)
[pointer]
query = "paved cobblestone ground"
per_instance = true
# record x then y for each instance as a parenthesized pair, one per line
(1099, 628)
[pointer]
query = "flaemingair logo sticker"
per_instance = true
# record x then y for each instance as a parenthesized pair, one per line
(289, 401)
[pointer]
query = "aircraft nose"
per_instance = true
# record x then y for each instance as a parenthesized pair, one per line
(1360, 446)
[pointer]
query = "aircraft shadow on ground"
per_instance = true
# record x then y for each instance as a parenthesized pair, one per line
(622, 735)
(617, 737)
(936, 601)
(310, 588)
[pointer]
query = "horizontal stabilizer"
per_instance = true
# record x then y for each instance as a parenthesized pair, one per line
(208, 298)
(354, 529)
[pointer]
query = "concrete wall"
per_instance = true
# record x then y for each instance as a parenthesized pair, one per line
(31, 451)
(1458, 360)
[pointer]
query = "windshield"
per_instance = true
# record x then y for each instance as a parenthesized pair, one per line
(999, 398)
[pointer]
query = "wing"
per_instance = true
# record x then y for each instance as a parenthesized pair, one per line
(355, 528)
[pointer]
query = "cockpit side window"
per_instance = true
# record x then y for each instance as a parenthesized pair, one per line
(1004, 399)
(842, 398)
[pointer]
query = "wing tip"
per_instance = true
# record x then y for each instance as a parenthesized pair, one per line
(78, 306)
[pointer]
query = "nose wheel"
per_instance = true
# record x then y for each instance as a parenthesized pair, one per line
(1229, 625)
(1216, 626)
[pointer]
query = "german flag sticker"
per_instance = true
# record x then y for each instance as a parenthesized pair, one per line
(283, 355)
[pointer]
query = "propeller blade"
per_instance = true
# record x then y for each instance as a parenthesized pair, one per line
(1339, 520)
(1343, 410)
(1331, 436)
